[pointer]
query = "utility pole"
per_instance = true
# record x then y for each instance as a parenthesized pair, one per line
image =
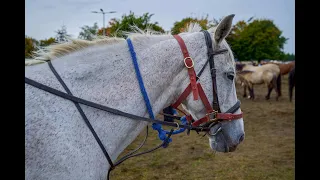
(103, 13)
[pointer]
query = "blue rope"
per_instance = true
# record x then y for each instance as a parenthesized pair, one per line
(183, 120)
(142, 88)
(155, 126)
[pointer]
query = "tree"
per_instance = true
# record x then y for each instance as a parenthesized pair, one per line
(47, 42)
(107, 31)
(234, 41)
(180, 26)
(258, 40)
(88, 32)
(237, 29)
(116, 26)
(30, 46)
(289, 57)
(62, 34)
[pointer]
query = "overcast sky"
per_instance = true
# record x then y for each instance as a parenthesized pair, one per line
(43, 17)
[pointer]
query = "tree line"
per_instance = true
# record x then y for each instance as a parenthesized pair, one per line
(253, 39)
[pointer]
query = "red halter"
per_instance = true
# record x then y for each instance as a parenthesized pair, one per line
(197, 90)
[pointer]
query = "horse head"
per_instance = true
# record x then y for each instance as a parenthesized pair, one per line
(227, 134)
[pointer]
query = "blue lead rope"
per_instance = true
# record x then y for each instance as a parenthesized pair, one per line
(161, 133)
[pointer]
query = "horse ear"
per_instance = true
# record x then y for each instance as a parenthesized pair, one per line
(223, 28)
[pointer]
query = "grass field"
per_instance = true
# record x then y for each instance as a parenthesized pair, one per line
(266, 153)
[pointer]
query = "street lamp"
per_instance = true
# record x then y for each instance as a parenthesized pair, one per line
(103, 13)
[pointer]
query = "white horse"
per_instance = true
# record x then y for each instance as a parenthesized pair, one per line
(59, 145)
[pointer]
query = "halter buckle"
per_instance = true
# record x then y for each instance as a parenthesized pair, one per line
(178, 126)
(212, 116)
(186, 63)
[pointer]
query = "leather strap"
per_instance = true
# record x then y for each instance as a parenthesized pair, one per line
(215, 103)
(229, 116)
(204, 99)
(190, 65)
(196, 88)
(182, 97)
(222, 116)
(200, 121)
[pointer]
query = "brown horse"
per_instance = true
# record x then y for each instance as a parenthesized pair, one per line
(268, 74)
(292, 82)
(285, 68)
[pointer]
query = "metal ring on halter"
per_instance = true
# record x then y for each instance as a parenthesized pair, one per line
(218, 130)
(178, 126)
(186, 63)
(212, 116)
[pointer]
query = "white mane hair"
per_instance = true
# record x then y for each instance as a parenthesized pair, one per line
(56, 50)
(192, 27)
(59, 49)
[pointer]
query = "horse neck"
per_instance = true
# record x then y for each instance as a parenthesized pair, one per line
(106, 75)
(246, 75)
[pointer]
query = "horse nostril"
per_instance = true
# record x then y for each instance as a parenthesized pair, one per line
(241, 138)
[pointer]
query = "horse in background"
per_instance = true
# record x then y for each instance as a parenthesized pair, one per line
(292, 81)
(285, 68)
(239, 66)
(268, 74)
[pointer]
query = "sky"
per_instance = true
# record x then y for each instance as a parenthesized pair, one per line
(44, 17)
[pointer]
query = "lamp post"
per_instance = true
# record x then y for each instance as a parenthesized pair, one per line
(103, 13)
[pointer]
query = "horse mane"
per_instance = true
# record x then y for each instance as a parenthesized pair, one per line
(56, 50)
(244, 72)
(239, 67)
(59, 49)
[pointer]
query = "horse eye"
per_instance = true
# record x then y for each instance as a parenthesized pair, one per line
(230, 76)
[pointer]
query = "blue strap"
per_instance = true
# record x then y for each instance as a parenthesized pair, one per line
(174, 111)
(155, 126)
(142, 88)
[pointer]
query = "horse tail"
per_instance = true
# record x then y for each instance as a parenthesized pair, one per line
(291, 83)
(274, 81)
(279, 84)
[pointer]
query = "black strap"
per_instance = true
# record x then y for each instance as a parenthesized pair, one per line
(145, 152)
(234, 108)
(172, 116)
(82, 114)
(215, 103)
(105, 108)
(127, 156)
(204, 66)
